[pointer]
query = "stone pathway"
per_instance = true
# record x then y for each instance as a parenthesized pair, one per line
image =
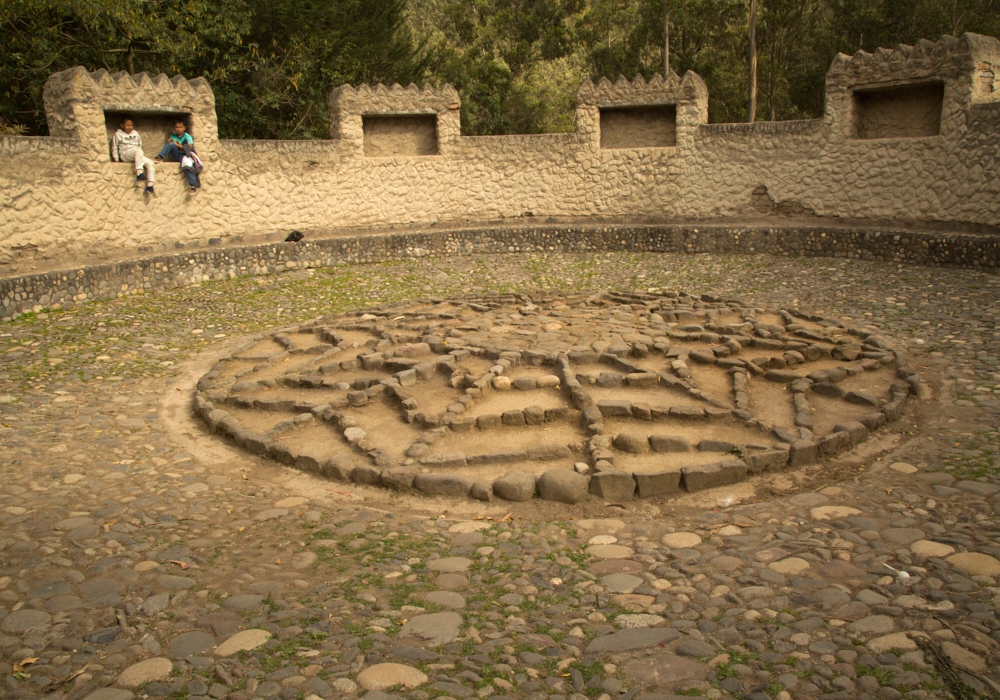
(140, 557)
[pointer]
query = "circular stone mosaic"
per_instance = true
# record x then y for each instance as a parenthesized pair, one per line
(615, 395)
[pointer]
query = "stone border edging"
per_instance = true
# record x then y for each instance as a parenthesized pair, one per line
(69, 287)
(600, 478)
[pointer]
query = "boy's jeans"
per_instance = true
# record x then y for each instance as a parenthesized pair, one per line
(192, 176)
(175, 152)
(172, 150)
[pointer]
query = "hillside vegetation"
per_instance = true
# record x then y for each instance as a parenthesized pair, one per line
(516, 63)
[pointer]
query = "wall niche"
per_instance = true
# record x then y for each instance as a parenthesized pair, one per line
(400, 135)
(654, 126)
(902, 111)
(153, 127)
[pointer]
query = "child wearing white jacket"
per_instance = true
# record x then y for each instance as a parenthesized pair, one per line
(127, 147)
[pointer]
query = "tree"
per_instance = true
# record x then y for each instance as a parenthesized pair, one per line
(302, 49)
(44, 36)
(786, 34)
(499, 55)
(707, 36)
(516, 63)
(271, 64)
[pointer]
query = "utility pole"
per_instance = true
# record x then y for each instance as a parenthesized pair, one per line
(666, 40)
(752, 91)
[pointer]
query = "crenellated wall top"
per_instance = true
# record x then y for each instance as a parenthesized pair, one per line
(76, 101)
(349, 105)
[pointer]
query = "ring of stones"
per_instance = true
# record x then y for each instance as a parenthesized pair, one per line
(614, 395)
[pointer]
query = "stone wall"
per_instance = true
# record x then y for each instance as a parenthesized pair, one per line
(63, 203)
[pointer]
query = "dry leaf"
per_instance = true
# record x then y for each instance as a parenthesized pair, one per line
(182, 564)
(277, 561)
(19, 666)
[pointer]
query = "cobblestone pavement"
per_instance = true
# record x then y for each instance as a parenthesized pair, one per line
(142, 557)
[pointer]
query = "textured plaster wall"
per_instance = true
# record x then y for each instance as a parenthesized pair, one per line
(62, 201)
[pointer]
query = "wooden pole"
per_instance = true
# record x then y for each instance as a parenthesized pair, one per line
(666, 41)
(752, 90)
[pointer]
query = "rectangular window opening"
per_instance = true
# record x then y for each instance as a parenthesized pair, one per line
(400, 135)
(902, 111)
(153, 127)
(639, 127)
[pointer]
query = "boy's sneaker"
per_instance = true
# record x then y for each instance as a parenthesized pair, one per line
(149, 190)
(141, 177)
(194, 190)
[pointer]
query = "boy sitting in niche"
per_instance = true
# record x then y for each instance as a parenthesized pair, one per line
(180, 148)
(127, 147)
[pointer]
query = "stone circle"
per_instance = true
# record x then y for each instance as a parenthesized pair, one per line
(610, 396)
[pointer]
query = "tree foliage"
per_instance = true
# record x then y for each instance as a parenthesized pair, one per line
(271, 63)
(516, 63)
(196, 37)
(796, 40)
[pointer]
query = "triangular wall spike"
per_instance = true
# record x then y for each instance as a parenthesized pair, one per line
(201, 85)
(103, 79)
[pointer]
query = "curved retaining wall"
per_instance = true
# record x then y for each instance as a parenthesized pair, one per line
(908, 134)
(69, 287)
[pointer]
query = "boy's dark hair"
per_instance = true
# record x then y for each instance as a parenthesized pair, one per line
(126, 118)
(182, 122)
